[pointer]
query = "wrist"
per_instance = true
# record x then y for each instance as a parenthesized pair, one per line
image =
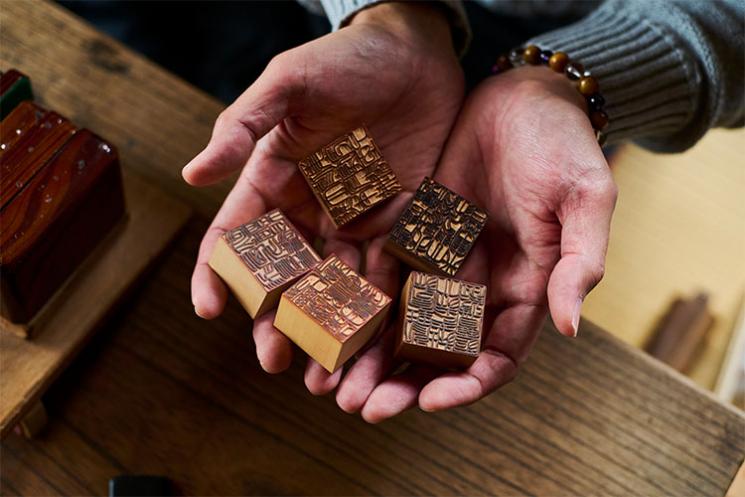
(415, 23)
(550, 83)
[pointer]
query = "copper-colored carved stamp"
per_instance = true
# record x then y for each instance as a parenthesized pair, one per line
(260, 259)
(440, 320)
(349, 176)
(437, 230)
(331, 312)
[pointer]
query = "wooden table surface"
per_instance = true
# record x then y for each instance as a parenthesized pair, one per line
(160, 391)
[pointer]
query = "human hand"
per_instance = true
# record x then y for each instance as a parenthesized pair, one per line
(523, 149)
(393, 69)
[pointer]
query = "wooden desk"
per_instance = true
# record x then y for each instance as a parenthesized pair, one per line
(160, 391)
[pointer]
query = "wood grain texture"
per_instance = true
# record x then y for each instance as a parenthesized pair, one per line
(441, 320)
(55, 222)
(437, 230)
(349, 176)
(27, 367)
(31, 152)
(164, 392)
(17, 124)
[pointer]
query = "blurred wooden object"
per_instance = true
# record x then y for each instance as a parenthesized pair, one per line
(737, 489)
(34, 420)
(162, 392)
(731, 382)
(27, 367)
(681, 332)
(678, 229)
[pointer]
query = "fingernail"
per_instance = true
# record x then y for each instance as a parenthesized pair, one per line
(575, 317)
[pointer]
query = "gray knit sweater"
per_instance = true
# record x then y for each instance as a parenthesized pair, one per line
(669, 69)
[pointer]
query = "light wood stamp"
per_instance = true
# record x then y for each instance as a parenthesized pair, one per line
(440, 321)
(437, 230)
(331, 313)
(260, 259)
(349, 176)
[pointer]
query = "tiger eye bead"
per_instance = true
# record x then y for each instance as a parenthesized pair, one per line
(599, 119)
(588, 86)
(502, 64)
(558, 61)
(532, 54)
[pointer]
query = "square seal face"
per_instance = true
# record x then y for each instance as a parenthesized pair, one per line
(349, 176)
(331, 312)
(437, 230)
(260, 259)
(441, 321)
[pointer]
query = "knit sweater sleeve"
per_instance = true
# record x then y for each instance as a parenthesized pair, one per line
(668, 70)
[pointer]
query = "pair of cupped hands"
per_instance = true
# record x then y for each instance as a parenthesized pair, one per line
(520, 146)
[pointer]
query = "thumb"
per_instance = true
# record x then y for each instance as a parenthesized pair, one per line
(585, 216)
(237, 129)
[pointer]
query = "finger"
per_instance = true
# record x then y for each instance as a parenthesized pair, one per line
(318, 380)
(208, 292)
(237, 129)
(273, 349)
(585, 216)
(366, 374)
(506, 345)
(382, 270)
(396, 394)
(346, 251)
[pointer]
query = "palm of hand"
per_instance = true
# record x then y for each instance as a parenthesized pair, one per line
(409, 117)
(515, 163)
(306, 98)
(549, 195)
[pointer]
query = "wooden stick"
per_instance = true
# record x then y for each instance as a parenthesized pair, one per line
(681, 331)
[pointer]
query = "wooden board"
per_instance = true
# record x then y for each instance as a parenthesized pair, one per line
(161, 391)
(27, 367)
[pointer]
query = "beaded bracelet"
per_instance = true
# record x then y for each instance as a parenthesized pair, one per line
(587, 85)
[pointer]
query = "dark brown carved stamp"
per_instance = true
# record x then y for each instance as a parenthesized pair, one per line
(337, 298)
(437, 229)
(349, 176)
(271, 247)
(442, 320)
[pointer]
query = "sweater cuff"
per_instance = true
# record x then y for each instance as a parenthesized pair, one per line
(647, 81)
(340, 13)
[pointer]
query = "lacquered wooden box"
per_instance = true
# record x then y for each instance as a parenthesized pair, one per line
(61, 194)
